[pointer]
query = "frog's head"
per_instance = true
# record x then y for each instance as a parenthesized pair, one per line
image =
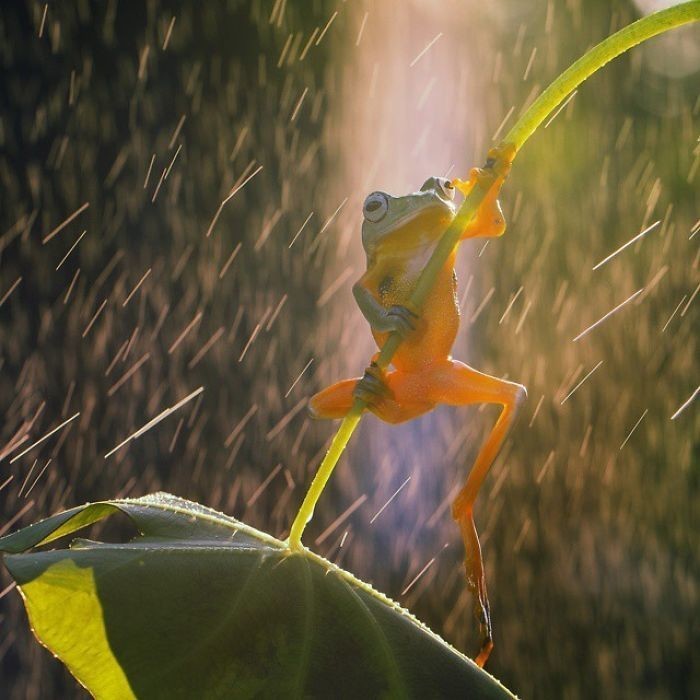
(413, 220)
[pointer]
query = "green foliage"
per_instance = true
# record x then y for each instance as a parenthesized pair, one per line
(201, 605)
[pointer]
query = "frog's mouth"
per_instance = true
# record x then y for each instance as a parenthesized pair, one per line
(433, 213)
(430, 216)
(427, 221)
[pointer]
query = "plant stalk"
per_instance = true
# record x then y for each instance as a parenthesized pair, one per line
(594, 59)
(541, 108)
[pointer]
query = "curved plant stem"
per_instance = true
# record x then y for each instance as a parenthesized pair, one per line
(596, 58)
(563, 86)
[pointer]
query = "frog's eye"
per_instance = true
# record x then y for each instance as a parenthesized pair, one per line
(375, 207)
(446, 187)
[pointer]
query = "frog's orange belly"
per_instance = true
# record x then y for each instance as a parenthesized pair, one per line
(437, 330)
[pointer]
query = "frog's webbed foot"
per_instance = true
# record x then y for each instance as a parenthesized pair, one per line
(402, 319)
(488, 221)
(372, 388)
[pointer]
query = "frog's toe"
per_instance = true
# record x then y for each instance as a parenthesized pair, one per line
(464, 186)
(368, 398)
(401, 311)
(403, 319)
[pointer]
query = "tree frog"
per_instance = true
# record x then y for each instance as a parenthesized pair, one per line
(398, 236)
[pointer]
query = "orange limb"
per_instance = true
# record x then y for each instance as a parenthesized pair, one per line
(509, 396)
(333, 402)
(464, 385)
(413, 393)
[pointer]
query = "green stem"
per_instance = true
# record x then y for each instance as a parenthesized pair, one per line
(596, 58)
(547, 102)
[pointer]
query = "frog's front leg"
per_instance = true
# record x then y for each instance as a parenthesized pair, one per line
(400, 319)
(372, 388)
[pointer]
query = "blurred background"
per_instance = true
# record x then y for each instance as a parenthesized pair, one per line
(126, 285)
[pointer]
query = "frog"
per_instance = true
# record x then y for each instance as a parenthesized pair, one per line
(399, 234)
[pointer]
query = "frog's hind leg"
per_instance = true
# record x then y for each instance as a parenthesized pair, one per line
(334, 401)
(489, 220)
(457, 384)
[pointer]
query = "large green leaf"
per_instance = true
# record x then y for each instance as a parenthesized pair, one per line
(200, 605)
